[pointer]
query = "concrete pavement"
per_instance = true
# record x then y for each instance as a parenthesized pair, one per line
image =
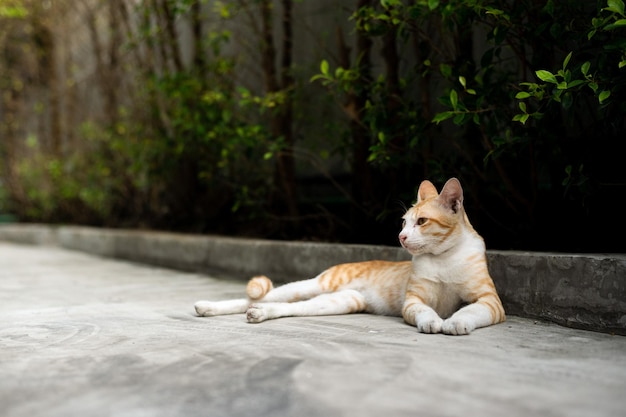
(82, 335)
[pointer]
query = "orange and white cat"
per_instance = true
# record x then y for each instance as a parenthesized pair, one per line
(446, 287)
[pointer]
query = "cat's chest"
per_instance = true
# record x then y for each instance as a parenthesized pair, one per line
(441, 269)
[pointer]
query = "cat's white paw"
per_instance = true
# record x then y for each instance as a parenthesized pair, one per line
(457, 326)
(428, 322)
(205, 308)
(256, 313)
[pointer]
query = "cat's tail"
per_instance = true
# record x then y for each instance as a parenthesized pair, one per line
(258, 287)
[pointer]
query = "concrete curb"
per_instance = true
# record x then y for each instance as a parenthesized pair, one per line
(585, 291)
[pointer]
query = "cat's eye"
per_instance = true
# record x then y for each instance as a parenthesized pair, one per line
(421, 221)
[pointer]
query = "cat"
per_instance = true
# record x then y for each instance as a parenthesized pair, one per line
(445, 288)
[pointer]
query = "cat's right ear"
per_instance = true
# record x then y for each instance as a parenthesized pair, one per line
(452, 195)
(426, 190)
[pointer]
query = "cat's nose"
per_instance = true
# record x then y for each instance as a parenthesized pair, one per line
(402, 237)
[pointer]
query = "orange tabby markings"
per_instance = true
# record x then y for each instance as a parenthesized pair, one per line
(446, 287)
(341, 275)
(258, 286)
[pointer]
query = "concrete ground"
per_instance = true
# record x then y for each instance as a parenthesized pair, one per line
(82, 335)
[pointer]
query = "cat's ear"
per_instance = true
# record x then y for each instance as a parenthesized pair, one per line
(426, 190)
(451, 195)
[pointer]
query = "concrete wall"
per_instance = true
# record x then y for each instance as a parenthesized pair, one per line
(578, 290)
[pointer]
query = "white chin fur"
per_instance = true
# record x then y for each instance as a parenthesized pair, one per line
(413, 250)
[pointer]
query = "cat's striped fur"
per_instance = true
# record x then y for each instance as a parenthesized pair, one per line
(445, 288)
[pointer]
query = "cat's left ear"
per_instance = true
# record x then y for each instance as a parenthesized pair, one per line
(426, 190)
(451, 195)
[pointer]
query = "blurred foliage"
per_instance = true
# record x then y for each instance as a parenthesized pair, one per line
(523, 101)
(530, 109)
(183, 147)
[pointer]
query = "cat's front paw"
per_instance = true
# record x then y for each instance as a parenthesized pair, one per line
(428, 322)
(205, 308)
(457, 326)
(256, 313)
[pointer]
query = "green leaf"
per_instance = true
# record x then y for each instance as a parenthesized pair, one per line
(324, 67)
(556, 95)
(585, 68)
(440, 117)
(458, 119)
(433, 4)
(389, 3)
(604, 95)
(549, 8)
(562, 85)
(522, 95)
(496, 12)
(462, 81)
(522, 118)
(546, 76)
(566, 181)
(522, 106)
(454, 99)
(566, 60)
(471, 91)
(575, 83)
(615, 25)
(597, 23)
(446, 70)
(567, 100)
(616, 6)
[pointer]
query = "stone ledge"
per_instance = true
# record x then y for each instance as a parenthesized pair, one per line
(577, 290)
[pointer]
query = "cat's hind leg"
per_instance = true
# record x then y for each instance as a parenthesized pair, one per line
(260, 289)
(341, 302)
(218, 308)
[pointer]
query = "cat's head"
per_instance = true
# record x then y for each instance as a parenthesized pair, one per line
(436, 221)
